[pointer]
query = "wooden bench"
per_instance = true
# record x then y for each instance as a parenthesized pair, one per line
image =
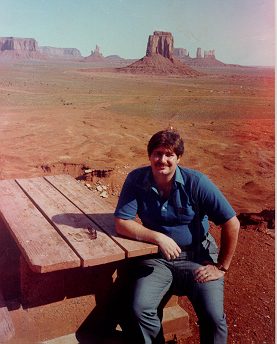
(58, 224)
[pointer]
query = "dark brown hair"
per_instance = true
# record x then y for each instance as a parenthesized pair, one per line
(168, 138)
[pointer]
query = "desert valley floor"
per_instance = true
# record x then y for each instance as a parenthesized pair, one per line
(66, 117)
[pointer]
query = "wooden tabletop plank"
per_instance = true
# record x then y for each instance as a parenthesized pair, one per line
(99, 211)
(74, 226)
(40, 244)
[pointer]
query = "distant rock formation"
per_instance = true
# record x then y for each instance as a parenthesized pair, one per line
(198, 53)
(159, 59)
(115, 58)
(12, 47)
(22, 44)
(27, 48)
(180, 52)
(208, 60)
(160, 43)
(95, 55)
(68, 53)
(209, 54)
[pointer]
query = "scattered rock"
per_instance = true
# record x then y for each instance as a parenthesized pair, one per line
(104, 194)
(99, 188)
(88, 185)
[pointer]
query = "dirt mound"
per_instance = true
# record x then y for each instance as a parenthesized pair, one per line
(262, 222)
(78, 171)
(159, 65)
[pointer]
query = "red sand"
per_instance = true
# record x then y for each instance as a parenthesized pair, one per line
(56, 118)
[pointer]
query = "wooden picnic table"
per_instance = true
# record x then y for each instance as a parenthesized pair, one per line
(58, 223)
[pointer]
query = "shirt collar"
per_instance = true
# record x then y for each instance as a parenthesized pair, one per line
(178, 176)
(148, 180)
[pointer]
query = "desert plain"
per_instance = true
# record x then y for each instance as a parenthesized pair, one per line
(65, 117)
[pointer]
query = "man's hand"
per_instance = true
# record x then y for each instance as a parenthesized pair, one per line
(208, 273)
(132, 229)
(168, 247)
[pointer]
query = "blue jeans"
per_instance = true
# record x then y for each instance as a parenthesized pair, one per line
(156, 277)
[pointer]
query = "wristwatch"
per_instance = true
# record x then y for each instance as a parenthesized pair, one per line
(221, 267)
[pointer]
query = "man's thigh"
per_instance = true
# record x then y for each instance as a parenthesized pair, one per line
(207, 296)
(153, 279)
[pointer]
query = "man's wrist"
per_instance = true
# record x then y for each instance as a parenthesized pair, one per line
(221, 267)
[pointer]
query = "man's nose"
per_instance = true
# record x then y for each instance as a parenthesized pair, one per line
(163, 158)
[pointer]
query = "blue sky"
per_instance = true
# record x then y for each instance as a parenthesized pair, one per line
(240, 31)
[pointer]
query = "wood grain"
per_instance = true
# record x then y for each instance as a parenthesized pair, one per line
(38, 241)
(100, 212)
(73, 225)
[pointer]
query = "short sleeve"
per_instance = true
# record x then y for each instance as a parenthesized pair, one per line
(212, 202)
(127, 205)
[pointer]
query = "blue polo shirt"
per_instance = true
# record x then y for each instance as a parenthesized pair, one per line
(192, 193)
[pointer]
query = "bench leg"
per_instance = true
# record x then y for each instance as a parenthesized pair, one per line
(175, 321)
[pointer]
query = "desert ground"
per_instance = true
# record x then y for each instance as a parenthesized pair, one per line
(65, 117)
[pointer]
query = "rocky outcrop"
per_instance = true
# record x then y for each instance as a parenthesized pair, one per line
(209, 54)
(95, 55)
(159, 65)
(68, 53)
(27, 48)
(160, 43)
(208, 60)
(16, 48)
(19, 44)
(159, 59)
(180, 52)
(198, 53)
(262, 222)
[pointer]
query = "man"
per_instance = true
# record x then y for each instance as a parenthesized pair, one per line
(174, 205)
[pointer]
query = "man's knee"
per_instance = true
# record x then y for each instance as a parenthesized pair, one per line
(140, 308)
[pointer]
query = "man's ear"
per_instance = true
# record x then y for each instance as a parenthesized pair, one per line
(178, 159)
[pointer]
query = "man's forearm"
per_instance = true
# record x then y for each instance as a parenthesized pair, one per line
(135, 230)
(228, 242)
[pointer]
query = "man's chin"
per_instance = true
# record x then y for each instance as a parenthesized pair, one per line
(162, 170)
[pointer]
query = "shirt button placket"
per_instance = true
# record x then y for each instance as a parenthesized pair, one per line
(164, 210)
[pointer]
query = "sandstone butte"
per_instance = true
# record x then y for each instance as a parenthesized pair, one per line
(160, 44)
(159, 58)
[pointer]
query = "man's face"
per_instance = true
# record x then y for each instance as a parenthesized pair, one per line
(163, 161)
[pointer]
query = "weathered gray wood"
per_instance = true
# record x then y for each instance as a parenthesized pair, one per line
(6, 325)
(41, 245)
(99, 211)
(74, 226)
